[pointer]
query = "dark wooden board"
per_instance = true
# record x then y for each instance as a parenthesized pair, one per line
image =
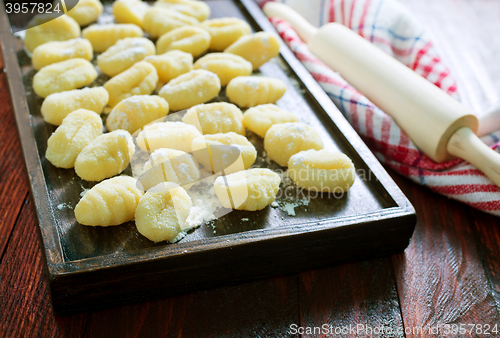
(91, 268)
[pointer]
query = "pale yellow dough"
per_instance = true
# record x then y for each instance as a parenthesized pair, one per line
(106, 156)
(85, 11)
(77, 130)
(260, 118)
(284, 140)
(44, 28)
(173, 135)
(130, 11)
(162, 213)
(159, 21)
(172, 64)
(250, 91)
(57, 51)
(215, 118)
(225, 31)
(194, 8)
(111, 202)
(104, 36)
(189, 39)
(250, 190)
(258, 48)
(226, 66)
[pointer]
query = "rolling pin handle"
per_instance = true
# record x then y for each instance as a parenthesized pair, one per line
(303, 28)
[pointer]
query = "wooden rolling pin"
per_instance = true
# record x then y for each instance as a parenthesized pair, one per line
(439, 125)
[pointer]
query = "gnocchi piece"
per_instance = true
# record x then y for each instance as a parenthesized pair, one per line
(124, 54)
(77, 130)
(58, 105)
(130, 11)
(189, 39)
(104, 36)
(140, 79)
(227, 152)
(50, 27)
(106, 156)
(159, 21)
(57, 51)
(226, 66)
(196, 9)
(162, 213)
(322, 170)
(250, 190)
(172, 64)
(260, 118)
(258, 48)
(172, 135)
(85, 11)
(225, 31)
(110, 202)
(284, 140)
(214, 118)
(135, 112)
(62, 76)
(170, 165)
(250, 91)
(187, 90)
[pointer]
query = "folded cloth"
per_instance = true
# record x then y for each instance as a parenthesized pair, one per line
(392, 28)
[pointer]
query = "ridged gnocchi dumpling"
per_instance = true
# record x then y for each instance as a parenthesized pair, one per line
(124, 54)
(135, 112)
(110, 202)
(322, 170)
(227, 66)
(57, 51)
(77, 130)
(172, 135)
(172, 64)
(85, 11)
(162, 213)
(228, 152)
(214, 118)
(140, 79)
(62, 76)
(104, 36)
(159, 21)
(196, 9)
(250, 190)
(258, 48)
(284, 140)
(189, 39)
(106, 156)
(50, 27)
(187, 90)
(225, 31)
(130, 11)
(260, 118)
(58, 105)
(250, 91)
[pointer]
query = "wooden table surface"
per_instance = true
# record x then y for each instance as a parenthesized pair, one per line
(449, 274)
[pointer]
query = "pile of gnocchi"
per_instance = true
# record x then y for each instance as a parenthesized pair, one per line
(192, 59)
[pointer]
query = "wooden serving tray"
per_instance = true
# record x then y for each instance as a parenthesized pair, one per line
(90, 268)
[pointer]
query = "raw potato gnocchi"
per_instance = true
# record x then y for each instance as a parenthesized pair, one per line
(225, 31)
(44, 28)
(58, 105)
(259, 119)
(250, 190)
(187, 90)
(57, 51)
(62, 76)
(258, 48)
(111, 202)
(162, 213)
(172, 64)
(140, 79)
(124, 54)
(284, 140)
(85, 11)
(322, 170)
(130, 11)
(196, 9)
(135, 112)
(226, 66)
(250, 91)
(189, 39)
(214, 118)
(170, 165)
(159, 21)
(173, 135)
(211, 151)
(104, 36)
(106, 156)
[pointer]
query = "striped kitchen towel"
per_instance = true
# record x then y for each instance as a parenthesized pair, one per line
(391, 27)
